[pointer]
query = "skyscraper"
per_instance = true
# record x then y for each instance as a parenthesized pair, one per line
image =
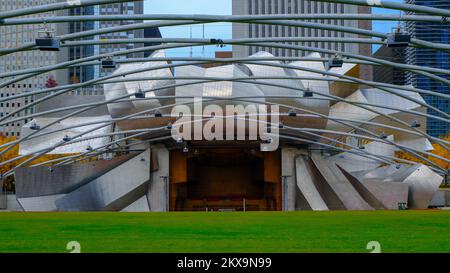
(387, 74)
(86, 73)
(13, 37)
(436, 33)
(261, 7)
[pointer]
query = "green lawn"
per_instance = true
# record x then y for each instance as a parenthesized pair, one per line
(397, 231)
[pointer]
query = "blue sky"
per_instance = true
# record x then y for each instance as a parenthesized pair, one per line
(219, 30)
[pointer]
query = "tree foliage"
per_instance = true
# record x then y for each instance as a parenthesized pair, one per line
(438, 150)
(51, 82)
(12, 153)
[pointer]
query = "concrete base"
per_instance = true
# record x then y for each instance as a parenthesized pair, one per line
(40, 203)
(157, 195)
(423, 183)
(112, 191)
(441, 198)
(288, 172)
(305, 182)
(123, 187)
(12, 204)
(320, 184)
(339, 183)
(390, 194)
(42, 181)
(310, 182)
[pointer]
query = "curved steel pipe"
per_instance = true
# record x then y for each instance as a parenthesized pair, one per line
(222, 18)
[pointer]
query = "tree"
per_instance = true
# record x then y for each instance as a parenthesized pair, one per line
(74, 80)
(51, 82)
(8, 183)
(438, 150)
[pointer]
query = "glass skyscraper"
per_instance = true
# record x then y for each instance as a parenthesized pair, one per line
(268, 7)
(436, 33)
(85, 73)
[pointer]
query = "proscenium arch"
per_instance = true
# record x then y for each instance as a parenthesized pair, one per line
(70, 159)
(146, 131)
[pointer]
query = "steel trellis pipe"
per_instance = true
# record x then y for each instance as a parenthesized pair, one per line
(418, 131)
(178, 59)
(223, 18)
(370, 3)
(136, 26)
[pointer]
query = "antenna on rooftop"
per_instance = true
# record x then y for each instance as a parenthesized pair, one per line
(203, 49)
(190, 53)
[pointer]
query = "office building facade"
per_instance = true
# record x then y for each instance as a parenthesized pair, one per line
(435, 33)
(16, 36)
(388, 74)
(85, 73)
(265, 7)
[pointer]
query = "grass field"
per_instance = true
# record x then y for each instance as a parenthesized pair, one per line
(343, 231)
